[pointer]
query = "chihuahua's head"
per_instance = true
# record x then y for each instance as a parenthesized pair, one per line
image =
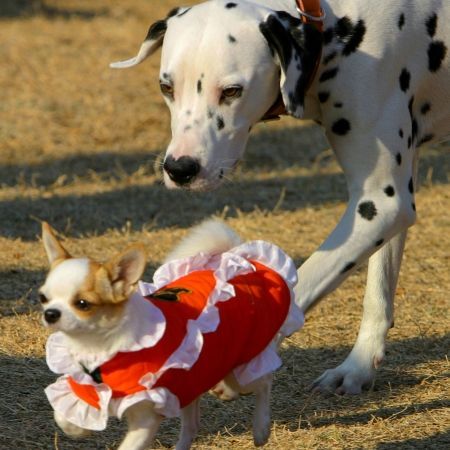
(82, 297)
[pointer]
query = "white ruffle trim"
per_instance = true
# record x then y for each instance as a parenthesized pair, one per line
(77, 411)
(268, 360)
(80, 413)
(226, 267)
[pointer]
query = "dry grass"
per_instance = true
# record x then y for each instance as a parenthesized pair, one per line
(78, 146)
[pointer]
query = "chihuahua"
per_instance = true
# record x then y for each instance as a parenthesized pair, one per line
(212, 319)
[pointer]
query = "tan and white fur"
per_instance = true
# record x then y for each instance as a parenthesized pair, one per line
(90, 303)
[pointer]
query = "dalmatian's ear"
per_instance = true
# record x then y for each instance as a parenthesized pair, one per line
(295, 46)
(152, 41)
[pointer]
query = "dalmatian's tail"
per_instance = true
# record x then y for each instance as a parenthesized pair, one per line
(210, 237)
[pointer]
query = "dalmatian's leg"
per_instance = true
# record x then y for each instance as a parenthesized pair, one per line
(378, 166)
(358, 369)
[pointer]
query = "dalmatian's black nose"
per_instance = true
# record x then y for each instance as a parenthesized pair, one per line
(52, 315)
(182, 170)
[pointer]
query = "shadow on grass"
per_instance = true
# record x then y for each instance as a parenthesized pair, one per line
(75, 167)
(25, 410)
(295, 146)
(439, 440)
(19, 290)
(153, 206)
(268, 149)
(25, 8)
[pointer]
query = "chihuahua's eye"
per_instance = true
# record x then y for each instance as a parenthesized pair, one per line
(82, 305)
(43, 298)
(231, 92)
(166, 89)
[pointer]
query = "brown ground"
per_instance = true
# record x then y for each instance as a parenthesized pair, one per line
(78, 146)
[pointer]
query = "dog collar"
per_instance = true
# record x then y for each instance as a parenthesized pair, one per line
(311, 13)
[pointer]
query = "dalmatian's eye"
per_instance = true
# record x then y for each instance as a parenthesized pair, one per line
(82, 305)
(166, 89)
(231, 92)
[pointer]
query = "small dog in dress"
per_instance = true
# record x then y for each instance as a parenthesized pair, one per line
(212, 319)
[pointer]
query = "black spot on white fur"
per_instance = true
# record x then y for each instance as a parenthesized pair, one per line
(411, 186)
(398, 158)
(329, 57)
(414, 128)
(436, 54)
(231, 39)
(379, 242)
(220, 123)
(389, 191)
(323, 96)
(425, 138)
(367, 210)
(425, 108)
(199, 86)
(410, 106)
(173, 12)
(341, 127)
(400, 133)
(156, 30)
(401, 21)
(328, 74)
(405, 78)
(230, 5)
(431, 25)
(350, 34)
(338, 105)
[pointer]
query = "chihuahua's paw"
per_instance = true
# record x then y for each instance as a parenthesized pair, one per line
(224, 392)
(70, 429)
(261, 434)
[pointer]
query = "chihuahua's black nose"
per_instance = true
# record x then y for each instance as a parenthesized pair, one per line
(52, 315)
(182, 170)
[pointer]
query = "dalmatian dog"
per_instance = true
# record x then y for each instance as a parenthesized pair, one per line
(382, 88)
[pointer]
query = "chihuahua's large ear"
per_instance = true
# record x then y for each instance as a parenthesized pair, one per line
(52, 246)
(152, 41)
(296, 47)
(125, 270)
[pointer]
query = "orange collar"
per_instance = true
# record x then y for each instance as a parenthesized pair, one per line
(311, 13)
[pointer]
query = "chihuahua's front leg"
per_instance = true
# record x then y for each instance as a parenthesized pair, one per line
(70, 429)
(190, 423)
(143, 423)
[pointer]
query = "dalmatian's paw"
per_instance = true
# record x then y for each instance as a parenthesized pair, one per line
(351, 377)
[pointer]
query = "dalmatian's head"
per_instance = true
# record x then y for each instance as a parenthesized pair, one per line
(223, 65)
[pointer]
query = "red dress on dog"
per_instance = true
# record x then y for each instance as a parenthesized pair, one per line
(217, 314)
